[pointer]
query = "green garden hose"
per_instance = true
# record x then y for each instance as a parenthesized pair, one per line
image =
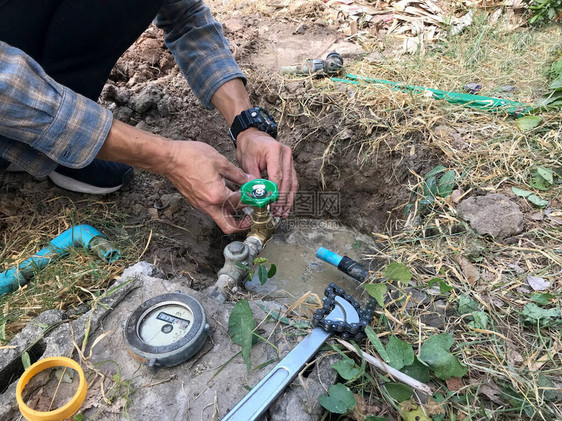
(512, 108)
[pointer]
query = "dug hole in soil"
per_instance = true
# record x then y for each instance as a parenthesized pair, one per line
(147, 90)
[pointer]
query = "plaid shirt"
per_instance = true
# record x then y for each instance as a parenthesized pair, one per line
(43, 123)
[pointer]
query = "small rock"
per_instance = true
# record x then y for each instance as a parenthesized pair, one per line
(374, 57)
(456, 195)
(173, 202)
(123, 114)
(472, 88)
(143, 126)
(493, 214)
(137, 209)
(233, 25)
(507, 88)
(152, 213)
(537, 216)
(163, 109)
(301, 29)
(146, 99)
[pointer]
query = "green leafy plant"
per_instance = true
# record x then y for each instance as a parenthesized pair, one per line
(435, 353)
(444, 287)
(399, 391)
(25, 360)
(395, 271)
(241, 325)
(552, 99)
(530, 196)
(436, 183)
(400, 353)
(377, 291)
(478, 319)
(543, 11)
(339, 399)
(347, 369)
(534, 314)
(376, 342)
(260, 268)
(542, 298)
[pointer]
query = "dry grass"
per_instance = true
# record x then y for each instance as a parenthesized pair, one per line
(67, 284)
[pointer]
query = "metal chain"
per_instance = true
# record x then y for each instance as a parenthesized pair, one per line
(353, 331)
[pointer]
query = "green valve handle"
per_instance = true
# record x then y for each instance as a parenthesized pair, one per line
(259, 193)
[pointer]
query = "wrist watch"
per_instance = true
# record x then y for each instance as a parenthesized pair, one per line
(253, 117)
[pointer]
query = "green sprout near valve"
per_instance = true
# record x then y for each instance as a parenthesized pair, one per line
(259, 193)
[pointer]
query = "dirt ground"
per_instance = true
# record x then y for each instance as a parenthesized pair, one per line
(147, 90)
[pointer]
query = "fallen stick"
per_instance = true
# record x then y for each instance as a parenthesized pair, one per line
(413, 383)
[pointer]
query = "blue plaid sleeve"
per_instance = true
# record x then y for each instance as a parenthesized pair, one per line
(43, 123)
(199, 47)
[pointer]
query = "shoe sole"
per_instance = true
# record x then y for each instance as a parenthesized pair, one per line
(78, 186)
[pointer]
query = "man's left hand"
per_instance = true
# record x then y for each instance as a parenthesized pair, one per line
(258, 152)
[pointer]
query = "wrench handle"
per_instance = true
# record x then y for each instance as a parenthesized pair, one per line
(271, 386)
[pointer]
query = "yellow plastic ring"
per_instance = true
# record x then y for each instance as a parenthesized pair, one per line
(58, 414)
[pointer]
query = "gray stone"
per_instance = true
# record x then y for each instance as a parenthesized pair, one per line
(30, 335)
(493, 214)
(123, 113)
(146, 99)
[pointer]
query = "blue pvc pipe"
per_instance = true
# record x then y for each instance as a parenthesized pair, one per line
(77, 236)
(329, 256)
(344, 264)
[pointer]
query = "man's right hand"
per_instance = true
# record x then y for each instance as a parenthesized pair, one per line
(197, 170)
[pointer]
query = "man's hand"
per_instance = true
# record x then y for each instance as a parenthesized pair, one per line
(258, 152)
(197, 170)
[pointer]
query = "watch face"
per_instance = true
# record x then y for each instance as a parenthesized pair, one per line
(266, 123)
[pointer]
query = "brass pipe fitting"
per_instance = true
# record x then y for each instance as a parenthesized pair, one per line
(263, 224)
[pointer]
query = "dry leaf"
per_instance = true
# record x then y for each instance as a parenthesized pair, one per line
(470, 272)
(538, 283)
(362, 409)
(492, 392)
(433, 408)
(8, 209)
(495, 17)
(454, 384)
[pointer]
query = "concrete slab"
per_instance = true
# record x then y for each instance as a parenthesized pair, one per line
(203, 388)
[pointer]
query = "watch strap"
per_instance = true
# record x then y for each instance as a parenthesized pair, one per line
(253, 117)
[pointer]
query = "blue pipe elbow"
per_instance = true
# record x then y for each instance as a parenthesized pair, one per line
(77, 236)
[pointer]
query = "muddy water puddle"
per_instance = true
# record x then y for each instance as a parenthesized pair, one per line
(293, 250)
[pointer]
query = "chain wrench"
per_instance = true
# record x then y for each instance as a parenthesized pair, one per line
(345, 317)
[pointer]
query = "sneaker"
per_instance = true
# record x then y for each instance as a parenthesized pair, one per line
(99, 177)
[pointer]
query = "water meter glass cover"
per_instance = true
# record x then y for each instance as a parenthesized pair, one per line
(165, 324)
(166, 330)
